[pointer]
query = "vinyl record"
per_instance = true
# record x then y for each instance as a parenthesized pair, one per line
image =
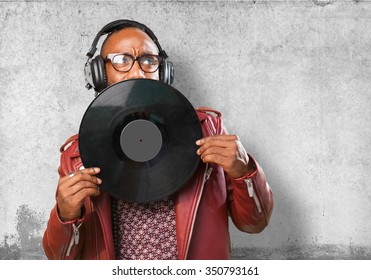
(141, 133)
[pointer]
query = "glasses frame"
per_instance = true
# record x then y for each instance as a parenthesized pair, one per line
(111, 56)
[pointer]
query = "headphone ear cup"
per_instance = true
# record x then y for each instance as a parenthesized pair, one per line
(98, 73)
(167, 72)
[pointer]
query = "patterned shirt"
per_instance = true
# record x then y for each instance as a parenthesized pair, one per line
(144, 231)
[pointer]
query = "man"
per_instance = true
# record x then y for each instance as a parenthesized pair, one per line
(87, 223)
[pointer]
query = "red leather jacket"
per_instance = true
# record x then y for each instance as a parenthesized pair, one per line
(201, 208)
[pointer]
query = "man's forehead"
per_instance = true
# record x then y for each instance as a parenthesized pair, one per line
(129, 31)
(130, 36)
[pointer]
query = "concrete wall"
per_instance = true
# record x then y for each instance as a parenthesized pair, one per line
(292, 78)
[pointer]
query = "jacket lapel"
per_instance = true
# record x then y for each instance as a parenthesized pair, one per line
(186, 205)
(103, 210)
(188, 199)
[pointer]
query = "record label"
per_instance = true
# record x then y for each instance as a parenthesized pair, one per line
(141, 140)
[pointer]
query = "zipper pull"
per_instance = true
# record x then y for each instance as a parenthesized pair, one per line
(76, 233)
(250, 187)
(208, 174)
(75, 238)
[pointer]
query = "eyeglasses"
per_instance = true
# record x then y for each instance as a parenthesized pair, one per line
(123, 62)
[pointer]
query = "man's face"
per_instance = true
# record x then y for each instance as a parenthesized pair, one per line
(132, 41)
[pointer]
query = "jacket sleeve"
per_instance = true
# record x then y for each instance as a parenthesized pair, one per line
(250, 200)
(65, 240)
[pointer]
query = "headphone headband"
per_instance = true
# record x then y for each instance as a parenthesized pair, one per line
(120, 24)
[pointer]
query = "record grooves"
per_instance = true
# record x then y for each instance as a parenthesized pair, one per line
(141, 133)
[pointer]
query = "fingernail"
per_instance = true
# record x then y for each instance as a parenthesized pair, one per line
(96, 169)
(198, 142)
(198, 151)
(82, 167)
(99, 180)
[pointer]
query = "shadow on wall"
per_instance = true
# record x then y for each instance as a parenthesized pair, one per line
(306, 252)
(27, 244)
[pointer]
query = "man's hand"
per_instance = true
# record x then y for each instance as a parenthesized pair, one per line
(228, 152)
(73, 189)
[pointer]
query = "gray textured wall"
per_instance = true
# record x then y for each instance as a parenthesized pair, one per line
(292, 78)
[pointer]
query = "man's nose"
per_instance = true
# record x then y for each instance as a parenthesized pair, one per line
(136, 72)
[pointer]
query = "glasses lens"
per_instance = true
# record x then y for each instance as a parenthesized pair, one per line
(122, 62)
(149, 63)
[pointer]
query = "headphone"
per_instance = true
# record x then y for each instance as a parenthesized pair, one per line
(95, 70)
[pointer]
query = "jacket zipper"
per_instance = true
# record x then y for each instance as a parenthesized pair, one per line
(74, 239)
(252, 193)
(205, 178)
(95, 230)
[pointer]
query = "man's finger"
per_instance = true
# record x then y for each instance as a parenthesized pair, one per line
(216, 150)
(225, 137)
(91, 171)
(83, 186)
(226, 144)
(217, 159)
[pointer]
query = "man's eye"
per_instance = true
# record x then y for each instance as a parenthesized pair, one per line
(149, 60)
(122, 59)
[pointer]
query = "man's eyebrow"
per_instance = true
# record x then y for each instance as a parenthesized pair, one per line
(151, 53)
(142, 53)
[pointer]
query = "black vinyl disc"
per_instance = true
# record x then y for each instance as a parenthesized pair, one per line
(141, 133)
